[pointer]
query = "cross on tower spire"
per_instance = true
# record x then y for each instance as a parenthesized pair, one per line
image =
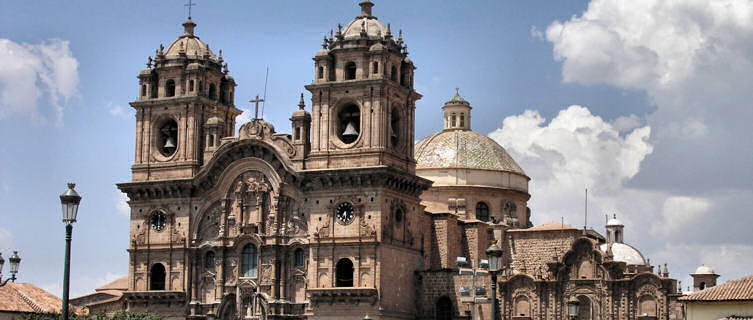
(256, 108)
(189, 5)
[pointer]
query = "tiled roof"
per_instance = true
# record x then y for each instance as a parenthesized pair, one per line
(733, 290)
(551, 225)
(737, 318)
(25, 297)
(119, 284)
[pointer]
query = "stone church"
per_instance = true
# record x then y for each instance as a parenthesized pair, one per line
(347, 217)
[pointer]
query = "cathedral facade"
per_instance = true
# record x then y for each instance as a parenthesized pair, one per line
(347, 217)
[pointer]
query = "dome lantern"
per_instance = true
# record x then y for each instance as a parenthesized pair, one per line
(457, 113)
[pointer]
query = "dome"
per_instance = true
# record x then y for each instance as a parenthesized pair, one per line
(625, 253)
(703, 269)
(374, 28)
(376, 47)
(463, 149)
(189, 44)
(614, 222)
(322, 53)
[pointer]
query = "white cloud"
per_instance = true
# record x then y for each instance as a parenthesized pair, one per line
(244, 117)
(536, 33)
(7, 243)
(576, 150)
(121, 204)
(118, 111)
(681, 213)
(28, 72)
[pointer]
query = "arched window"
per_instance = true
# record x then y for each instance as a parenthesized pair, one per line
(462, 119)
(344, 273)
(350, 71)
(482, 211)
(585, 311)
(647, 306)
(702, 286)
(444, 309)
(299, 258)
(320, 74)
(375, 68)
(157, 277)
(393, 74)
(190, 86)
(212, 91)
(395, 128)
(223, 92)
(349, 123)
(249, 266)
(170, 88)
(209, 260)
(522, 307)
(143, 90)
(452, 121)
(617, 236)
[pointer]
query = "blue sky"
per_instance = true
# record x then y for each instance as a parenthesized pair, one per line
(622, 98)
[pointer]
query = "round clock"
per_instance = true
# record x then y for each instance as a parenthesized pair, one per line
(158, 221)
(345, 212)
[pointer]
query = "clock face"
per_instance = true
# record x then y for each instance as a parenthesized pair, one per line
(345, 212)
(158, 221)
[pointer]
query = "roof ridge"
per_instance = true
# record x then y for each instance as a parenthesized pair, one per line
(34, 306)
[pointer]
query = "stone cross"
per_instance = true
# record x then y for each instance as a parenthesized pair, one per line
(189, 5)
(256, 109)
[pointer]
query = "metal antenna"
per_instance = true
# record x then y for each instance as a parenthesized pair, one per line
(585, 217)
(264, 102)
(189, 5)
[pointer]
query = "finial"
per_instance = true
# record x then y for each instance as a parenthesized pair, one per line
(389, 31)
(225, 69)
(301, 105)
(149, 62)
(363, 29)
(189, 5)
(188, 27)
(219, 58)
(457, 91)
(405, 50)
(366, 6)
(614, 215)
(161, 48)
(330, 35)
(400, 36)
(339, 29)
(325, 43)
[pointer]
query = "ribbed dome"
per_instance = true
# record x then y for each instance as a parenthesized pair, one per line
(189, 44)
(703, 269)
(625, 253)
(614, 222)
(463, 149)
(374, 29)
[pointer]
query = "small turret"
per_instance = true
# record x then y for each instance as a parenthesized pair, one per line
(704, 277)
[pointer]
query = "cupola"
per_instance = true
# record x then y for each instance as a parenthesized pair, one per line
(457, 113)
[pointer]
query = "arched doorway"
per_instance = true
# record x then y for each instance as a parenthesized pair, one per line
(443, 308)
(586, 308)
(344, 273)
(157, 277)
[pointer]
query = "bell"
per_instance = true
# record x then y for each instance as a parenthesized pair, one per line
(170, 143)
(350, 130)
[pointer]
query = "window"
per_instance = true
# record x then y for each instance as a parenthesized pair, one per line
(349, 123)
(167, 139)
(647, 306)
(320, 73)
(190, 86)
(299, 258)
(143, 90)
(209, 260)
(249, 266)
(344, 273)
(452, 121)
(444, 309)
(350, 71)
(482, 211)
(223, 92)
(395, 128)
(702, 286)
(522, 307)
(297, 133)
(398, 215)
(170, 88)
(375, 68)
(157, 277)
(393, 74)
(212, 91)
(462, 119)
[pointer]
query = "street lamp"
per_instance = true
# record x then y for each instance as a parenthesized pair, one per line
(465, 268)
(69, 201)
(573, 307)
(494, 254)
(14, 261)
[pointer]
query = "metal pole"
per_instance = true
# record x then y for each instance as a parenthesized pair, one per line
(67, 270)
(473, 288)
(494, 295)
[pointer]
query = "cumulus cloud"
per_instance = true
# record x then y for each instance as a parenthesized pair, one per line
(121, 204)
(578, 150)
(118, 111)
(29, 72)
(7, 242)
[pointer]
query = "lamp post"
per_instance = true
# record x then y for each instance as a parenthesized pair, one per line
(69, 201)
(14, 261)
(573, 307)
(494, 254)
(464, 268)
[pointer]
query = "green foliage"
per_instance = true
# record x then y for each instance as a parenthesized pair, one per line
(116, 316)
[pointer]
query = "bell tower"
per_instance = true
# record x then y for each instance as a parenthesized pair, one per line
(363, 99)
(185, 106)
